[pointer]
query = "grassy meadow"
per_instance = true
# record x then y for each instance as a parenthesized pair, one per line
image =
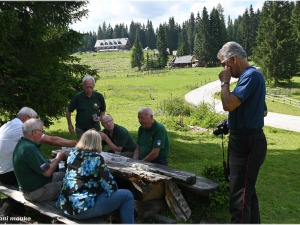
(126, 91)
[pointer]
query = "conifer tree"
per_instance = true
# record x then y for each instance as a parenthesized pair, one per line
(276, 53)
(36, 66)
(161, 46)
(137, 55)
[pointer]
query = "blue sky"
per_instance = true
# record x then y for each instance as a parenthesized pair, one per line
(121, 11)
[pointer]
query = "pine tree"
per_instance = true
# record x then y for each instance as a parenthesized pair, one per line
(183, 47)
(275, 53)
(172, 34)
(202, 46)
(161, 46)
(296, 27)
(150, 35)
(216, 39)
(36, 65)
(191, 34)
(137, 55)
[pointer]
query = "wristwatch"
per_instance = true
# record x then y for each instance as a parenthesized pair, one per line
(223, 83)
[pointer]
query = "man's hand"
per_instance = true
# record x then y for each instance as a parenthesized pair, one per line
(61, 156)
(225, 75)
(103, 136)
(71, 128)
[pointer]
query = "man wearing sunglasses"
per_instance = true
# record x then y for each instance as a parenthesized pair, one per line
(247, 145)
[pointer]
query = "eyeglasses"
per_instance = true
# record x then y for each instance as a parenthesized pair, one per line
(39, 130)
(107, 122)
(88, 87)
(223, 62)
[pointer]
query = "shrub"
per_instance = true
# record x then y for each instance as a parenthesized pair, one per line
(220, 199)
(175, 107)
(204, 116)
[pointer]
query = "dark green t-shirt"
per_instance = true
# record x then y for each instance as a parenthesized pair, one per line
(155, 137)
(29, 165)
(85, 108)
(121, 138)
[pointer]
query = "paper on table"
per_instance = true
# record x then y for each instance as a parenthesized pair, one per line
(140, 166)
(109, 158)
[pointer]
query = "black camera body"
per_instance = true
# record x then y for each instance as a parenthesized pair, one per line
(221, 128)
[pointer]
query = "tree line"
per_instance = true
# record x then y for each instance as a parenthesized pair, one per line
(38, 71)
(272, 31)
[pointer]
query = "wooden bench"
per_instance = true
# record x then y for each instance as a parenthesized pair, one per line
(154, 189)
(47, 208)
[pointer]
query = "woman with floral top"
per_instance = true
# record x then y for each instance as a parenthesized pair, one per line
(89, 189)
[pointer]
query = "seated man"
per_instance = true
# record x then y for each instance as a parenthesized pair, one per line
(36, 177)
(116, 137)
(10, 134)
(153, 142)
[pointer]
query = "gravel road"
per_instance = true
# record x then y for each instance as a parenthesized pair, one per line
(206, 92)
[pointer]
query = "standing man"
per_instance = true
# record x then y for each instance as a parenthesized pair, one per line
(37, 179)
(247, 143)
(90, 107)
(117, 137)
(153, 141)
(10, 133)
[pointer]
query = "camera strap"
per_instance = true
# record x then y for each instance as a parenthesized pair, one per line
(225, 164)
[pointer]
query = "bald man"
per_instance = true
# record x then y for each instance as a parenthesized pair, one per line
(153, 143)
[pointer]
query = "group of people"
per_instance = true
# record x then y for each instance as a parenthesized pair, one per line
(87, 189)
(87, 185)
(152, 144)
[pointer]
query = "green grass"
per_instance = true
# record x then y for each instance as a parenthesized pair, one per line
(278, 182)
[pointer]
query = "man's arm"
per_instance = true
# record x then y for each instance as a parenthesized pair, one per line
(136, 154)
(111, 145)
(60, 156)
(152, 155)
(57, 141)
(229, 101)
(70, 125)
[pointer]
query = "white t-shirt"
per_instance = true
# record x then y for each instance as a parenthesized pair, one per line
(10, 134)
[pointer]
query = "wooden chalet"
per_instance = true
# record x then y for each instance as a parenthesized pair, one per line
(112, 44)
(184, 61)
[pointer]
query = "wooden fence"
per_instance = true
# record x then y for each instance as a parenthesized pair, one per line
(280, 95)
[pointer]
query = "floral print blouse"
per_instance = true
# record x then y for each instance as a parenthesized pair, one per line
(86, 177)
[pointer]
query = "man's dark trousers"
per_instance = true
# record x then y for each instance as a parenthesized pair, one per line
(246, 154)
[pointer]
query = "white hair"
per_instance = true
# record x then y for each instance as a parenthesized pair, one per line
(26, 111)
(30, 125)
(88, 77)
(146, 110)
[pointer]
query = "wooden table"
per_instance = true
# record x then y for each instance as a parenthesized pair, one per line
(157, 186)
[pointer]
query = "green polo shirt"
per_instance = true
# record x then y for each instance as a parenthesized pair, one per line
(155, 137)
(29, 165)
(85, 108)
(121, 138)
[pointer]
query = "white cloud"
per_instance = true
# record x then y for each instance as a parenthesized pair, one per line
(120, 11)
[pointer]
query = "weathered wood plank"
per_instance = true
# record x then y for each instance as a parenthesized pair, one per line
(127, 172)
(203, 187)
(47, 208)
(176, 201)
(176, 174)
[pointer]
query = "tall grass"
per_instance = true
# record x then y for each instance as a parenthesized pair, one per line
(278, 183)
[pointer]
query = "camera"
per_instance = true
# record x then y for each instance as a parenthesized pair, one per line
(221, 128)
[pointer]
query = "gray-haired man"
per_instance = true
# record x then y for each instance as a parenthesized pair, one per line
(89, 105)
